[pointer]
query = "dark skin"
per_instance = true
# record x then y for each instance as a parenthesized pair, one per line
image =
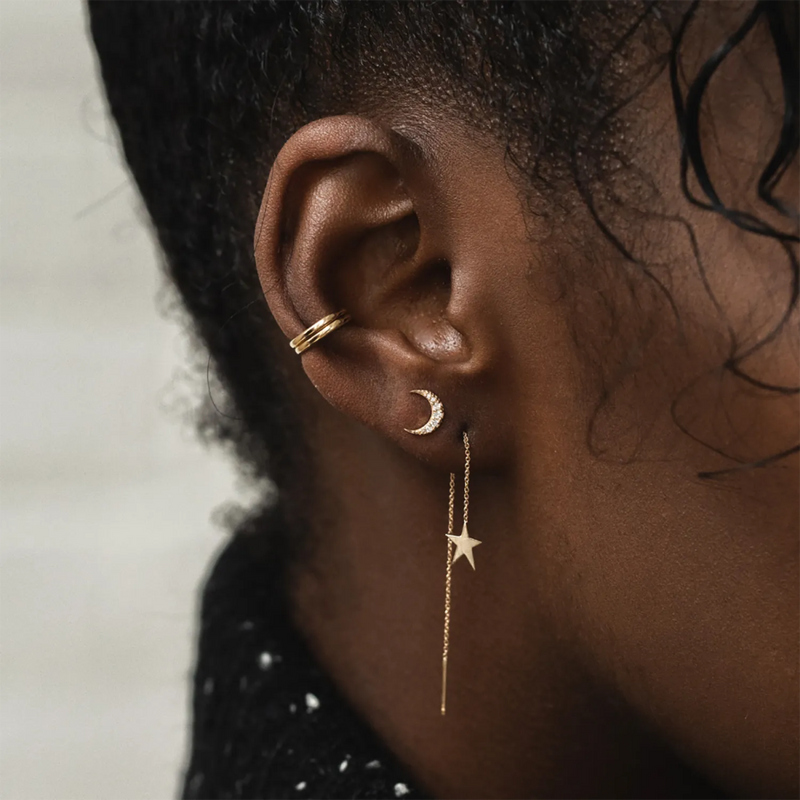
(631, 630)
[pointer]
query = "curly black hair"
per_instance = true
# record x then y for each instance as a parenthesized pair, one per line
(205, 93)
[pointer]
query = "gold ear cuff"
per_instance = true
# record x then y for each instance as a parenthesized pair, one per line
(319, 330)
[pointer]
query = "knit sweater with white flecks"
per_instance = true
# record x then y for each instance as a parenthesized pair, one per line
(267, 721)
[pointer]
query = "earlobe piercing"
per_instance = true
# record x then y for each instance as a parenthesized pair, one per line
(437, 413)
(319, 330)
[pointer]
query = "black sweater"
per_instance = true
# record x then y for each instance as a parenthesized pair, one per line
(268, 722)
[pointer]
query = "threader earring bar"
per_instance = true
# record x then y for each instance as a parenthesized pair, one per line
(447, 586)
(464, 545)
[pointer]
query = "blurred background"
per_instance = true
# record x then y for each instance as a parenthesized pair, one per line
(106, 500)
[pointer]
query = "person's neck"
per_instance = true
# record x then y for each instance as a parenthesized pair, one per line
(523, 719)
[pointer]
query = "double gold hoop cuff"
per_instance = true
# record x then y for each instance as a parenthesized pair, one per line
(319, 330)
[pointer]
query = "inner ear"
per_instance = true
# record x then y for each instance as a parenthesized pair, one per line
(353, 238)
(422, 312)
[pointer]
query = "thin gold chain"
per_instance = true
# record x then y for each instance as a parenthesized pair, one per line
(447, 584)
(466, 478)
(449, 574)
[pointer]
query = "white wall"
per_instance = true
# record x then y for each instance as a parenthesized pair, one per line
(105, 499)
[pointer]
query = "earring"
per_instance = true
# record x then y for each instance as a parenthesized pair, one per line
(457, 546)
(436, 417)
(319, 330)
(463, 547)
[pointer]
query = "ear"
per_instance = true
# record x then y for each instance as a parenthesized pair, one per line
(355, 217)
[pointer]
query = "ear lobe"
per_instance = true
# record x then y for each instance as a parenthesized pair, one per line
(340, 228)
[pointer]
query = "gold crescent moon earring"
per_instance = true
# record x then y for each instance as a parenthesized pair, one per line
(436, 417)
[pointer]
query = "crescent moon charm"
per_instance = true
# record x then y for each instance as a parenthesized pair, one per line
(437, 413)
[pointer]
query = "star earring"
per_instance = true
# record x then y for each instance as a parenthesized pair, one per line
(463, 546)
(457, 546)
(464, 543)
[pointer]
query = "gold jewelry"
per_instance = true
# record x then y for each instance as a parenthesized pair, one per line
(463, 547)
(447, 582)
(436, 417)
(319, 330)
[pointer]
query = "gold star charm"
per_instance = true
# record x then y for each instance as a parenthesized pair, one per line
(464, 545)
